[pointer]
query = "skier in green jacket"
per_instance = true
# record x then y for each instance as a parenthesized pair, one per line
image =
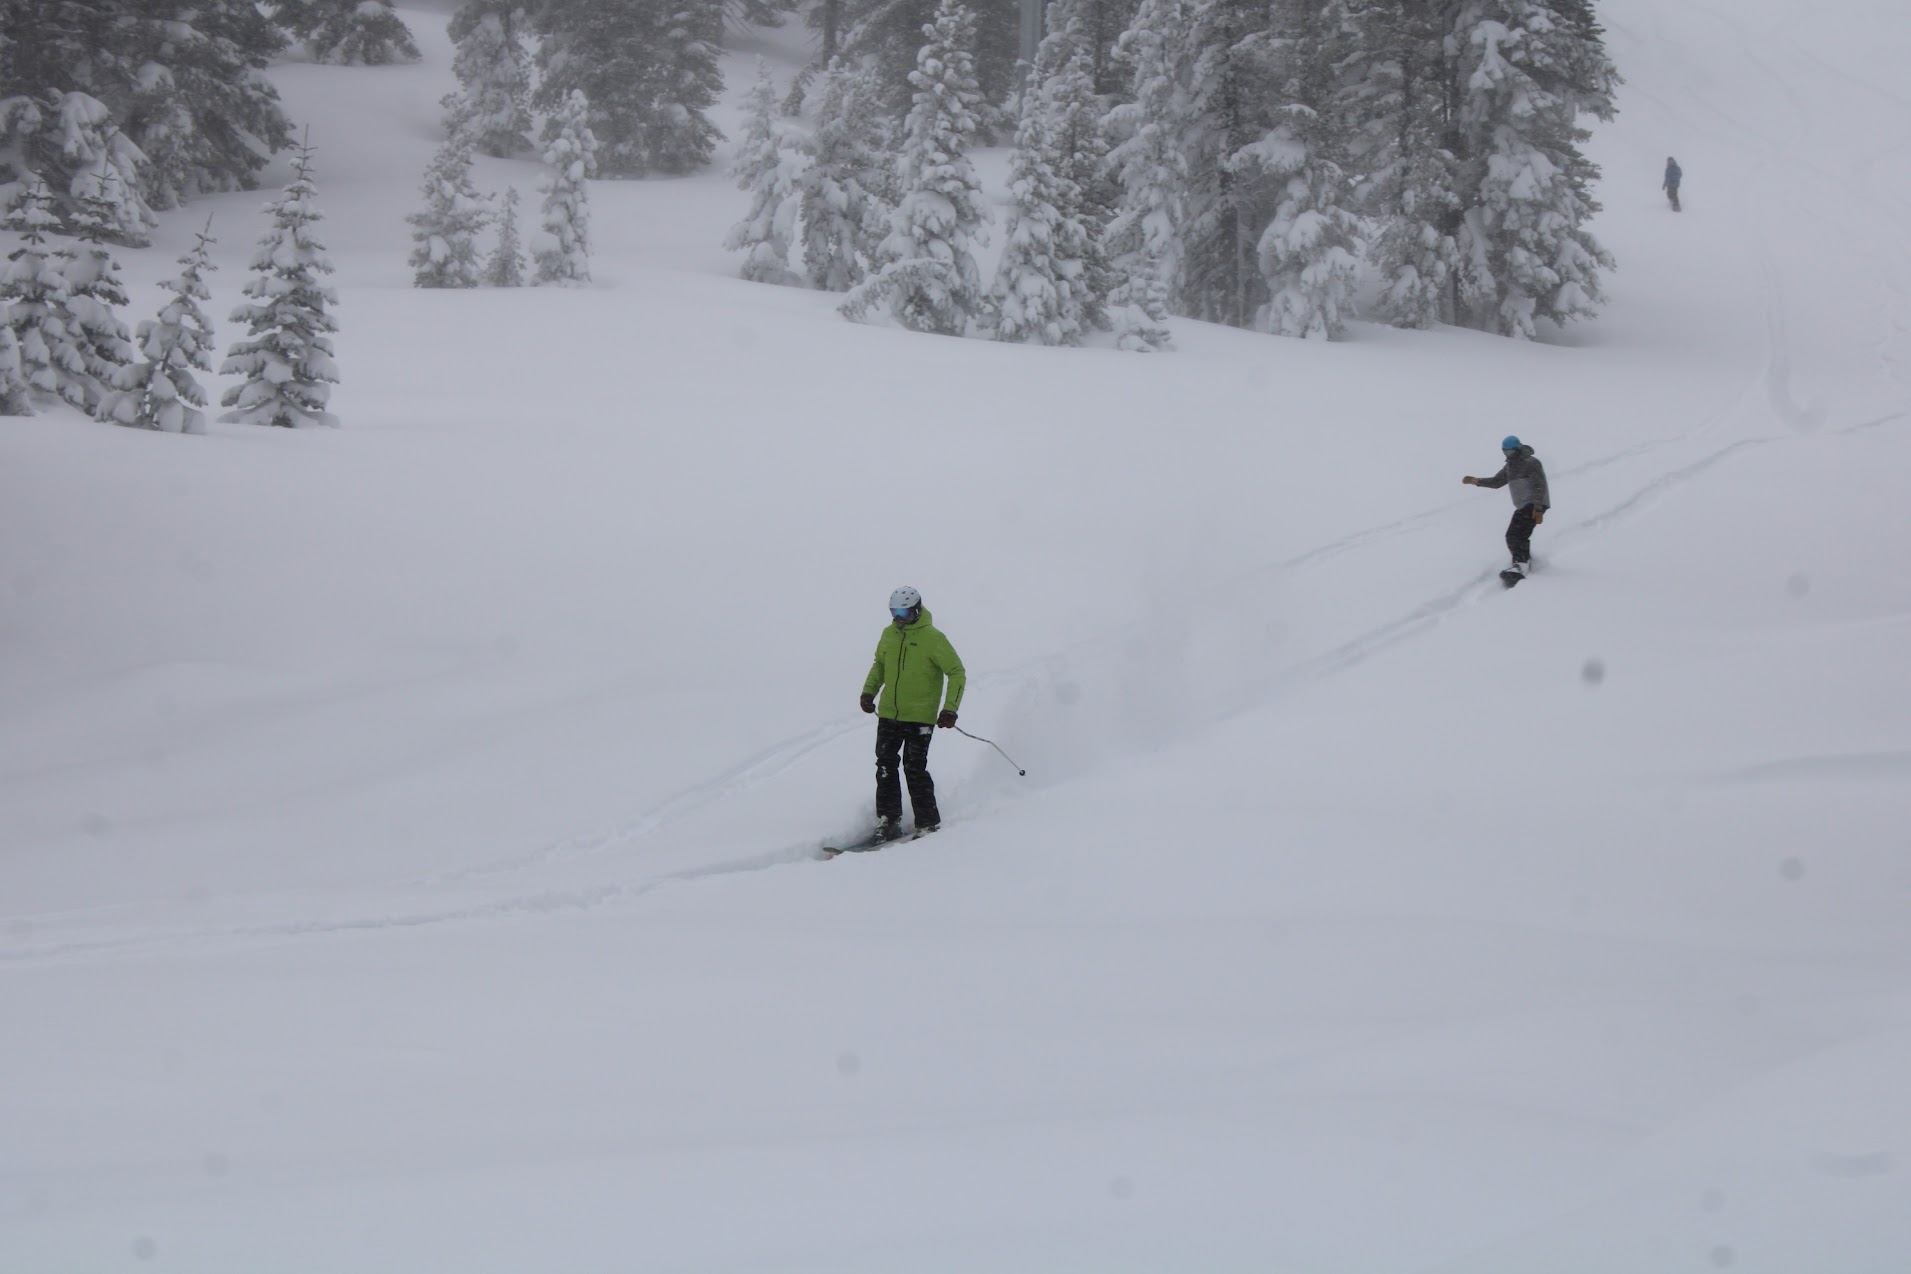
(912, 661)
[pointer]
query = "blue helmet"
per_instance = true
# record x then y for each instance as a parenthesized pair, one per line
(1510, 443)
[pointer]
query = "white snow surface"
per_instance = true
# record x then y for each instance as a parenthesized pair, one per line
(406, 830)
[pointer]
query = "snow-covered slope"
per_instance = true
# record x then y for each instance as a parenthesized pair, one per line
(405, 830)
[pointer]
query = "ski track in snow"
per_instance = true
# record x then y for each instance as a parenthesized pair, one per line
(787, 754)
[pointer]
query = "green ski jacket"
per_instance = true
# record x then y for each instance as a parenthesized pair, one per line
(909, 667)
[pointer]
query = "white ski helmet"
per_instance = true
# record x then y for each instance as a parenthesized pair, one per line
(904, 598)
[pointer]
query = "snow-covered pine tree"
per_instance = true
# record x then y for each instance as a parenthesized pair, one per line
(445, 231)
(33, 297)
(886, 36)
(572, 157)
(929, 275)
(1390, 99)
(179, 77)
(1525, 71)
(14, 397)
(681, 137)
(71, 138)
(94, 297)
(648, 69)
(161, 391)
(198, 105)
(286, 357)
(840, 203)
(493, 67)
(765, 172)
(1310, 252)
(348, 32)
(1145, 235)
(1053, 282)
(505, 267)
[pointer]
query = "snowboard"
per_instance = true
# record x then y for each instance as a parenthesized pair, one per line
(1510, 577)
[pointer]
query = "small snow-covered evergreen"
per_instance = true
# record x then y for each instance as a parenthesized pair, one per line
(929, 276)
(840, 202)
(505, 267)
(493, 67)
(445, 232)
(161, 391)
(763, 169)
(572, 160)
(33, 292)
(94, 297)
(286, 357)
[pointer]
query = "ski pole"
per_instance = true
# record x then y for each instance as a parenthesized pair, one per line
(998, 747)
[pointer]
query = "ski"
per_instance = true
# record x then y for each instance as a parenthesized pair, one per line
(869, 844)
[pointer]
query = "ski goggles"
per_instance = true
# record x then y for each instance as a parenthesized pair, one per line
(900, 612)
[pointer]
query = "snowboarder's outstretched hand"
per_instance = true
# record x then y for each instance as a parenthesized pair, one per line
(945, 719)
(1539, 515)
(867, 703)
(1470, 480)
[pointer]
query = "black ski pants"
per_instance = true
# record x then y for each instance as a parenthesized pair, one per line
(1519, 533)
(906, 742)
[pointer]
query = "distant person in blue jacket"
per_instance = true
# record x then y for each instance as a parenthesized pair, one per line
(1671, 184)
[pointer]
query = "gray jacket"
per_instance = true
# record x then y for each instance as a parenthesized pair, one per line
(1528, 479)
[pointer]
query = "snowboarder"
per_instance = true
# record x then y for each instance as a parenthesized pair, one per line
(1671, 183)
(1530, 500)
(912, 660)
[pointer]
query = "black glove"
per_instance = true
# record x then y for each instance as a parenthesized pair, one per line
(868, 703)
(946, 719)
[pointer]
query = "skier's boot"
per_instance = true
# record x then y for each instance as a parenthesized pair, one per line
(888, 827)
(924, 829)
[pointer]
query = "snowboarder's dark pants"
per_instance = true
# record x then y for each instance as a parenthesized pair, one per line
(907, 741)
(1519, 533)
(1672, 193)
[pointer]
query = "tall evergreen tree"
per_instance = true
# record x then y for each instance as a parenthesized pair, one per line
(1392, 98)
(689, 82)
(572, 161)
(286, 357)
(1309, 251)
(445, 231)
(1145, 237)
(505, 267)
(1052, 283)
(94, 296)
(161, 391)
(929, 275)
(1526, 71)
(763, 170)
(179, 78)
(33, 294)
(648, 68)
(886, 36)
(493, 67)
(840, 191)
(348, 32)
